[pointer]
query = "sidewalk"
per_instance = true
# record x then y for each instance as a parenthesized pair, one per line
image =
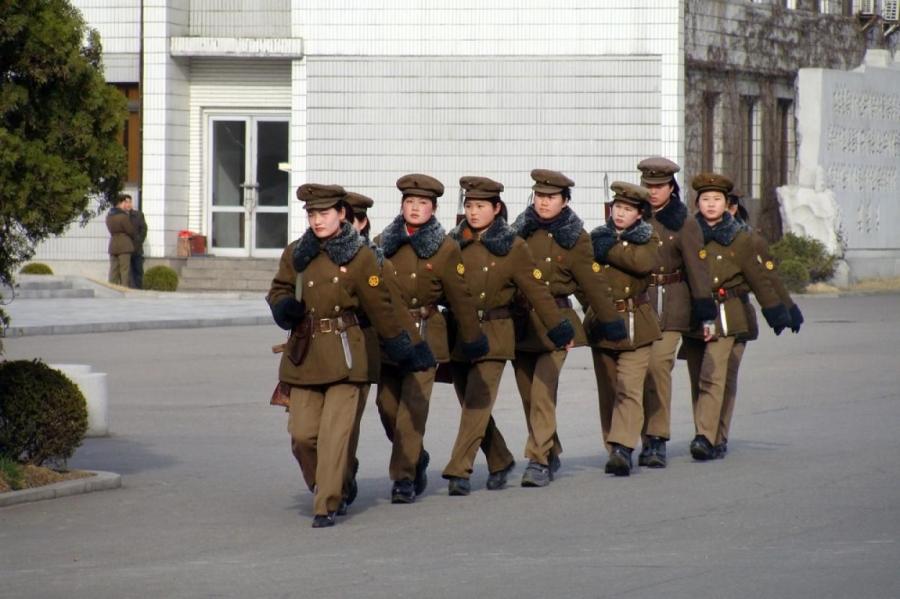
(132, 310)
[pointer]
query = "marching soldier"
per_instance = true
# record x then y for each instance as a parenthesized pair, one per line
(626, 250)
(497, 264)
(736, 268)
(679, 292)
(324, 280)
(562, 248)
(428, 269)
(740, 215)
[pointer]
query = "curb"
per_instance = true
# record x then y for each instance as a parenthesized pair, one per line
(101, 481)
(140, 325)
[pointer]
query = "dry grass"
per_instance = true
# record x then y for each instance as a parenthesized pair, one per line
(886, 285)
(38, 476)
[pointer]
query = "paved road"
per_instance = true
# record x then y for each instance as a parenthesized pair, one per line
(806, 505)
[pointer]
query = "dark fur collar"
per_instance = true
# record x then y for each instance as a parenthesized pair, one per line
(742, 224)
(379, 253)
(566, 227)
(341, 249)
(425, 242)
(604, 237)
(722, 233)
(672, 215)
(498, 239)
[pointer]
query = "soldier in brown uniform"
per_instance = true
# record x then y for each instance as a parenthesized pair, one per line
(324, 280)
(428, 269)
(121, 241)
(736, 268)
(626, 251)
(562, 248)
(497, 265)
(679, 292)
(740, 215)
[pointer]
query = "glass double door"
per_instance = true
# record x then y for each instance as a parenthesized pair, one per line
(248, 192)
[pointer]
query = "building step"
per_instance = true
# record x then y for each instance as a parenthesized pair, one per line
(209, 273)
(53, 293)
(50, 287)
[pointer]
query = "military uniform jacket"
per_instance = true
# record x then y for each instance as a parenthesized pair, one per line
(497, 266)
(140, 230)
(562, 250)
(429, 271)
(121, 231)
(627, 259)
(680, 242)
(338, 275)
(737, 268)
(761, 247)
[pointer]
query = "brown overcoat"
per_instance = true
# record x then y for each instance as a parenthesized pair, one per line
(121, 230)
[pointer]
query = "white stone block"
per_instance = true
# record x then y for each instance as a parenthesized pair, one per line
(93, 386)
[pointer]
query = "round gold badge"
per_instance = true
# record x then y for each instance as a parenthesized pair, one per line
(374, 281)
(702, 254)
(770, 265)
(595, 267)
(537, 274)
(460, 268)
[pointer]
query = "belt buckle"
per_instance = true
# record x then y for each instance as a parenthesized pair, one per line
(480, 314)
(323, 323)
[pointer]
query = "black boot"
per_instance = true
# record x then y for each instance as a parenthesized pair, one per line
(536, 475)
(721, 449)
(403, 492)
(459, 487)
(320, 521)
(421, 480)
(657, 457)
(619, 462)
(497, 480)
(701, 449)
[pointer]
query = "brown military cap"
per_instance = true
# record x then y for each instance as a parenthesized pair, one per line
(657, 170)
(359, 202)
(416, 184)
(480, 188)
(630, 193)
(550, 181)
(316, 195)
(712, 182)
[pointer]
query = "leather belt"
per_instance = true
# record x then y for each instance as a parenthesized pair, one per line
(667, 279)
(335, 325)
(723, 294)
(495, 313)
(630, 304)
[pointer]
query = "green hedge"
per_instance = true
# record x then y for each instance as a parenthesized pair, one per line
(36, 268)
(160, 278)
(802, 260)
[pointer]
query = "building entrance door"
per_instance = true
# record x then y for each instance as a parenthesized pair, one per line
(248, 193)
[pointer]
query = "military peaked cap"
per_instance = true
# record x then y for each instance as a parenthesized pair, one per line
(712, 182)
(630, 193)
(317, 196)
(359, 202)
(657, 170)
(480, 188)
(550, 181)
(416, 184)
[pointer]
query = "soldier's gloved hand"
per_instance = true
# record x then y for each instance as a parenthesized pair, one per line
(778, 330)
(796, 318)
(420, 359)
(288, 313)
(613, 331)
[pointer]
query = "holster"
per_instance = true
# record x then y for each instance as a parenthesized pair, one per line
(281, 396)
(298, 344)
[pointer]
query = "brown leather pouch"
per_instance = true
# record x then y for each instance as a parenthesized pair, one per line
(298, 344)
(281, 396)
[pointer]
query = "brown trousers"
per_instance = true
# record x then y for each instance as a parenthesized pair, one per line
(537, 376)
(658, 386)
(120, 270)
(403, 400)
(734, 364)
(321, 422)
(708, 369)
(352, 461)
(620, 389)
(476, 387)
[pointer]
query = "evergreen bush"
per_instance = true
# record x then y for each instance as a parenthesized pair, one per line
(794, 274)
(808, 252)
(36, 268)
(161, 278)
(43, 414)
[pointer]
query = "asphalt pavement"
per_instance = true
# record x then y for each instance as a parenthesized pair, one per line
(806, 504)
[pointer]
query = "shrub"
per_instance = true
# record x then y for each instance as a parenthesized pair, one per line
(809, 252)
(43, 414)
(11, 474)
(794, 274)
(36, 268)
(161, 278)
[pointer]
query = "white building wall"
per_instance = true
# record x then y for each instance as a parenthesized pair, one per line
(223, 87)
(119, 25)
(241, 18)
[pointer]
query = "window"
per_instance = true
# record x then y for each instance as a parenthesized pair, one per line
(788, 149)
(833, 7)
(131, 135)
(751, 147)
(710, 134)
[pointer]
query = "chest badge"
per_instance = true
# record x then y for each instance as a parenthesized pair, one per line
(770, 265)
(536, 273)
(702, 254)
(374, 281)
(595, 267)
(343, 269)
(460, 268)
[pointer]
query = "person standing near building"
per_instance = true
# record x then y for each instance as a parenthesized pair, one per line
(428, 269)
(121, 241)
(626, 251)
(497, 265)
(325, 281)
(562, 249)
(140, 234)
(736, 268)
(679, 292)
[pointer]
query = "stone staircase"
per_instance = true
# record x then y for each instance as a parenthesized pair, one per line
(50, 287)
(209, 273)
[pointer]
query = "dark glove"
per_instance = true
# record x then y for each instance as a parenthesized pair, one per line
(476, 349)
(704, 309)
(420, 359)
(561, 334)
(796, 318)
(288, 313)
(777, 317)
(613, 331)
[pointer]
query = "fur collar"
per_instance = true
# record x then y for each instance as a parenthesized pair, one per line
(604, 237)
(341, 249)
(379, 253)
(672, 215)
(498, 239)
(425, 242)
(566, 227)
(722, 233)
(742, 224)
